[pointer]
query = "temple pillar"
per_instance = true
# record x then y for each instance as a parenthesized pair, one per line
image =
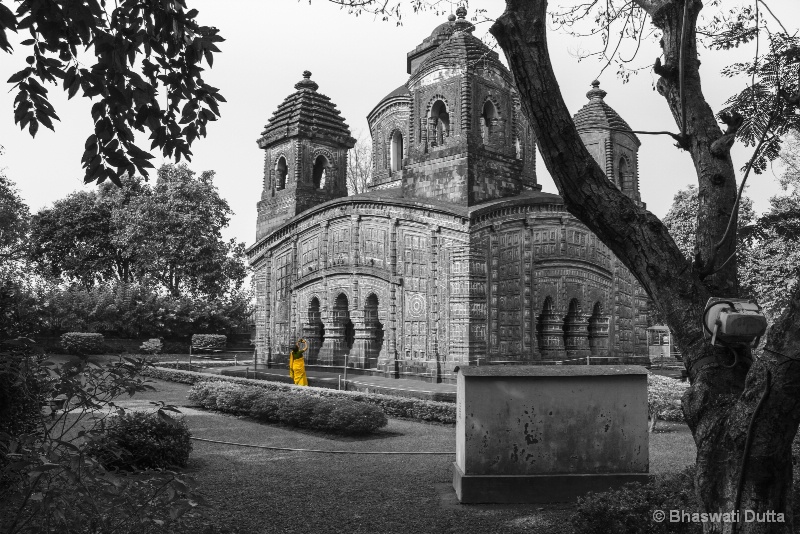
(598, 335)
(576, 336)
(551, 336)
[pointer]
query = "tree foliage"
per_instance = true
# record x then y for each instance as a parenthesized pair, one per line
(681, 219)
(168, 235)
(140, 49)
(769, 245)
(14, 221)
(132, 311)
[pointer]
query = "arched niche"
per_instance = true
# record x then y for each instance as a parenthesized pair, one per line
(439, 122)
(281, 173)
(319, 173)
(622, 172)
(488, 121)
(396, 151)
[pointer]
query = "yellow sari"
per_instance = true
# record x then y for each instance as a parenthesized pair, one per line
(297, 367)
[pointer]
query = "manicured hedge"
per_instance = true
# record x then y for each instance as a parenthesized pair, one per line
(209, 341)
(291, 408)
(82, 343)
(441, 412)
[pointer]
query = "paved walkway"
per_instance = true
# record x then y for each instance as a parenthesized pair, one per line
(367, 383)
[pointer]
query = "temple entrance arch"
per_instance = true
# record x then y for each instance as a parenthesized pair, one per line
(314, 330)
(337, 333)
(368, 335)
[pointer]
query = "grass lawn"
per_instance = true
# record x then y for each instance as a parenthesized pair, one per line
(255, 491)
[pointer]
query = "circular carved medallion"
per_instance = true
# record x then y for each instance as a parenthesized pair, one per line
(415, 303)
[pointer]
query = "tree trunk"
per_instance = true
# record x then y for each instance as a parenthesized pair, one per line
(720, 403)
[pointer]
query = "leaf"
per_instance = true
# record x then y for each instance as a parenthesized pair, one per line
(164, 417)
(21, 75)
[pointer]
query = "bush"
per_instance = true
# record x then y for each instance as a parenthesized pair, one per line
(209, 341)
(152, 346)
(630, 509)
(205, 393)
(81, 343)
(236, 400)
(340, 416)
(300, 412)
(664, 398)
(139, 440)
(266, 406)
(352, 418)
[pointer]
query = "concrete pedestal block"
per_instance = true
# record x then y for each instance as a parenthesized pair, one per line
(534, 434)
(516, 489)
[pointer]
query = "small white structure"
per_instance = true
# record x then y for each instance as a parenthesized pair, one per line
(530, 434)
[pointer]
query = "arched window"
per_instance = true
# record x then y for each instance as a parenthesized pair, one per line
(488, 116)
(623, 172)
(397, 151)
(318, 175)
(517, 148)
(440, 124)
(281, 171)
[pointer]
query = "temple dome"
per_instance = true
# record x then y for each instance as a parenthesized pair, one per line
(597, 114)
(462, 49)
(305, 112)
(400, 94)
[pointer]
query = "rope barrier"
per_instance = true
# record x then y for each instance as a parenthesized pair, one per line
(310, 450)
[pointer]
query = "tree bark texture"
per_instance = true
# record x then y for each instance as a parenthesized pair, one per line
(721, 401)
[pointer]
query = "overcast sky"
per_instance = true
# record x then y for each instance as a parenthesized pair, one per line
(356, 61)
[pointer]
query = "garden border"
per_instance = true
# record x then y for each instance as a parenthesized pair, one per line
(392, 406)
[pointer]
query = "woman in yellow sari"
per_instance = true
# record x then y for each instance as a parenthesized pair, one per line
(297, 365)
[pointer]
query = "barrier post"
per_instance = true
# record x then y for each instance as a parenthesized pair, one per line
(345, 370)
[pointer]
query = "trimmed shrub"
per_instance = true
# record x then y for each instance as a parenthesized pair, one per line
(630, 509)
(152, 346)
(139, 440)
(82, 343)
(205, 393)
(237, 400)
(405, 407)
(209, 341)
(300, 412)
(266, 406)
(352, 418)
(294, 409)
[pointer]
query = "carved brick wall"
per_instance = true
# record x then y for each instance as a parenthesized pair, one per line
(446, 291)
(393, 117)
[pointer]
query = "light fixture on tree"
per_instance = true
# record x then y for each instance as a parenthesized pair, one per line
(731, 322)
